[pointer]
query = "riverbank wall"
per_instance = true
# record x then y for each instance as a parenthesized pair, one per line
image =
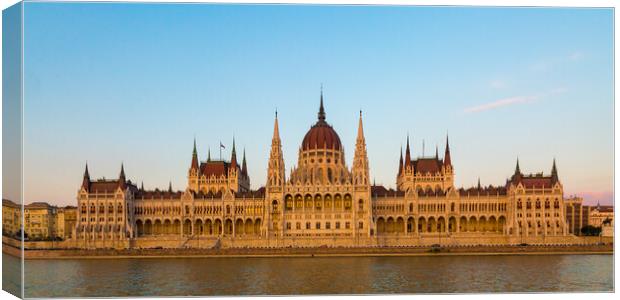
(588, 246)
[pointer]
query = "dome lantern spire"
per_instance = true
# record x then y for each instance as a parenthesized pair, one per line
(321, 108)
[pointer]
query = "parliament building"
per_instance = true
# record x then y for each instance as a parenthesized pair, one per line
(322, 202)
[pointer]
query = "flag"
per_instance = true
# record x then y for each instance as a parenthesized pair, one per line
(222, 146)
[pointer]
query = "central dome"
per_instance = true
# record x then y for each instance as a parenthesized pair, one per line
(321, 135)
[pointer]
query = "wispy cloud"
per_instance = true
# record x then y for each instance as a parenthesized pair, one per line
(546, 65)
(500, 103)
(498, 84)
(512, 101)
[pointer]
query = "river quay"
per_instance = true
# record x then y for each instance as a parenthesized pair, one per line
(602, 248)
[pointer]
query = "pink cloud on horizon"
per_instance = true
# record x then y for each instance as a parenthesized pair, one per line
(592, 198)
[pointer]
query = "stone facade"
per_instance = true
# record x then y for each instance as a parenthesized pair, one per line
(322, 202)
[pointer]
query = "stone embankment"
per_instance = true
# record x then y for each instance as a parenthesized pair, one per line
(602, 248)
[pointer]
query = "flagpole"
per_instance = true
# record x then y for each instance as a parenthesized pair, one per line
(220, 150)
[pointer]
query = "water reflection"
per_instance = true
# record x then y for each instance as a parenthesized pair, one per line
(333, 275)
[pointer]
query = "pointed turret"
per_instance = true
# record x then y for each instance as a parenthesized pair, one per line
(436, 152)
(321, 109)
(142, 186)
(233, 156)
(479, 186)
(407, 153)
(209, 155)
(86, 180)
(194, 165)
(244, 166)
(517, 169)
(554, 172)
(360, 129)
(275, 171)
(447, 160)
(169, 186)
(400, 164)
(122, 181)
(276, 128)
(360, 159)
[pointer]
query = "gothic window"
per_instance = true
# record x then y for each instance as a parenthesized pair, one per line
(537, 204)
(274, 205)
(529, 205)
(361, 204)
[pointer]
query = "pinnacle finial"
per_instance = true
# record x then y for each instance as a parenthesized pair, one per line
(86, 174)
(321, 108)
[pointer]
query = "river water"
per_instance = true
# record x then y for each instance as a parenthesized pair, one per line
(318, 275)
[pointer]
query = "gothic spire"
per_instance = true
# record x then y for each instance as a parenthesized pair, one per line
(194, 164)
(122, 182)
(275, 171)
(321, 109)
(233, 156)
(436, 152)
(407, 153)
(244, 166)
(86, 180)
(554, 171)
(447, 160)
(209, 154)
(400, 164)
(360, 128)
(276, 129)
(517, 169)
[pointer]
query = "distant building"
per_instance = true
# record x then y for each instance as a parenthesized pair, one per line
(603, 217)
(41, 220)
(11, 217)
(577, 214)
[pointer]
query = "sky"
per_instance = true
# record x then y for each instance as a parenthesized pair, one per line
(112, 83)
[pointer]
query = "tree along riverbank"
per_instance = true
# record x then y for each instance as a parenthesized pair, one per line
(603, 248)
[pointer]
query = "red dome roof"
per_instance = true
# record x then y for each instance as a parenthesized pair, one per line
(321, 136)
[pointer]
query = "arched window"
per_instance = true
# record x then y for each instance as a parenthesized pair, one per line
(410, 207)
(360, 204)
(274, 205)
(519, 206)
